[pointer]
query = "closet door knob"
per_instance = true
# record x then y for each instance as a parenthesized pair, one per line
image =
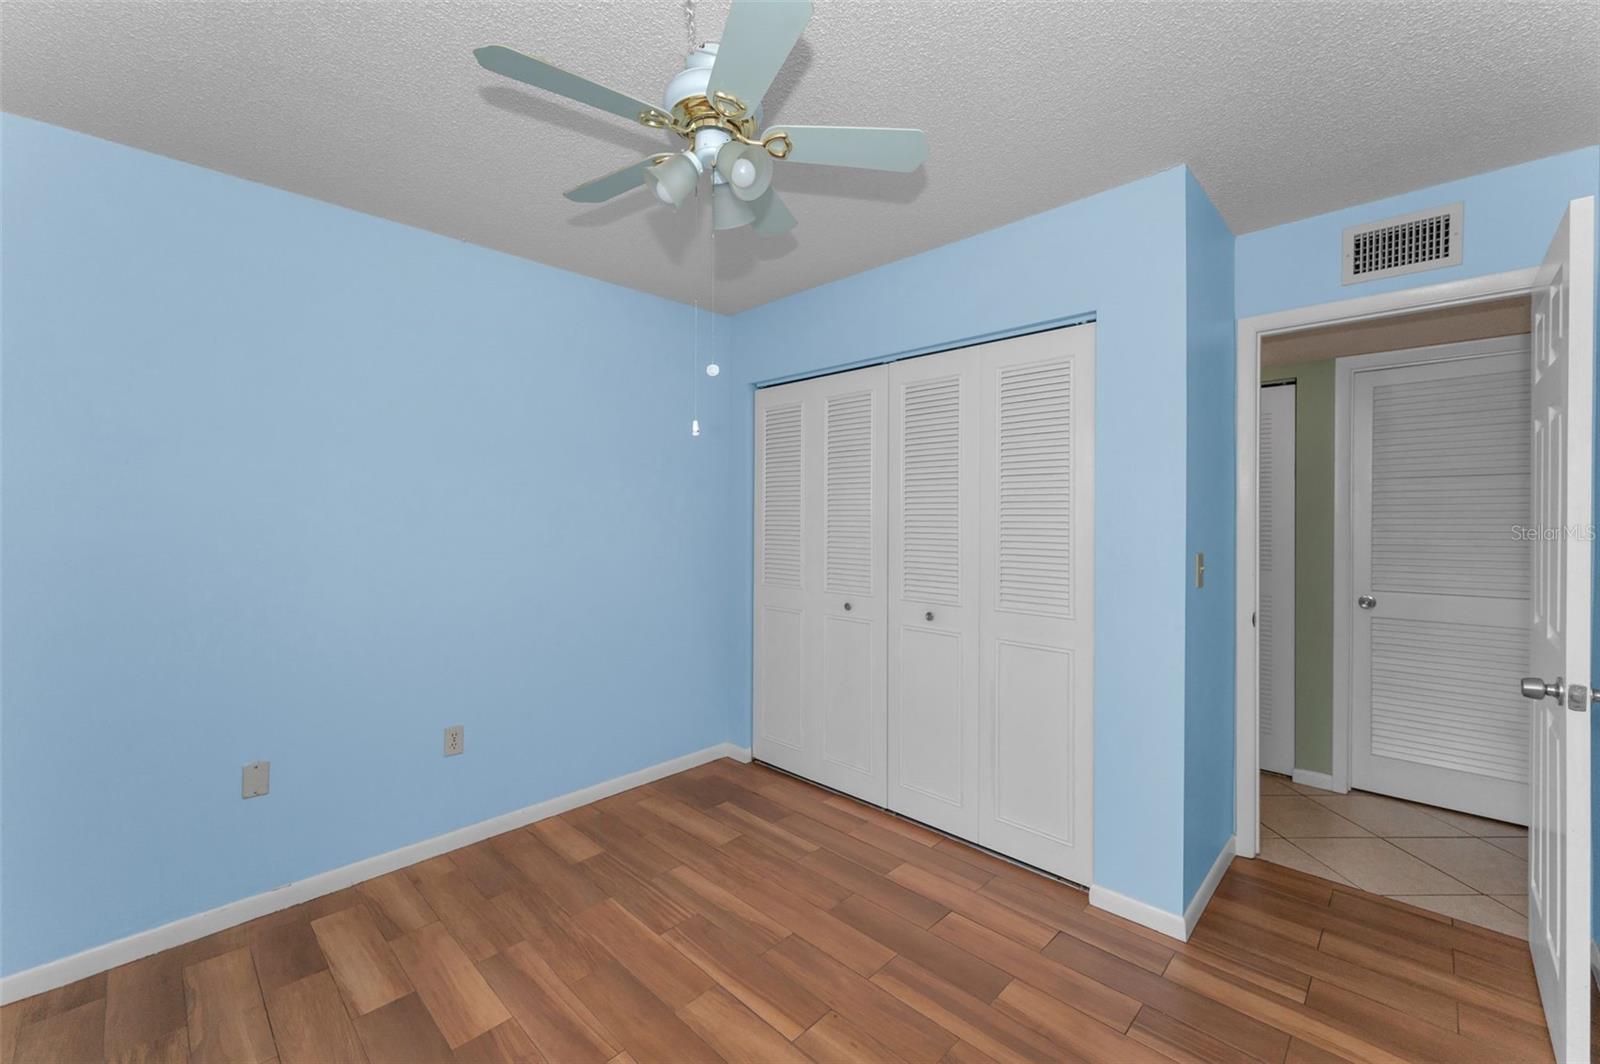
(847, 607)
(928, 616)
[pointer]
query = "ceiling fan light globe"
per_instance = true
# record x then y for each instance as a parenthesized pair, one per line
(728, 211)
(673, 180)
(746, 169)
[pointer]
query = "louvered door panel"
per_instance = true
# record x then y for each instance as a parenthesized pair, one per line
(781, 730)
(930, 501)
(848, 601)
(782, 497)
(1035, 471)
(850, 532)
(1440, 697)
(1034, 521)
(1441, 462)
(933, 640)
(1275, 620)
(1450, 480)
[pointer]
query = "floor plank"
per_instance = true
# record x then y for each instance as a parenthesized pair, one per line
(557, 1020)
(144, 1005)
(460, 1002)
(227, 1018)
(310, 1024)
(362, 963)
(736, 1032)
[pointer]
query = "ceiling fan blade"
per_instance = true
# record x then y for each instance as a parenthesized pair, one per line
(542, 75)
(757, 38)
(613, 184)
(772, 217)
(901, 150)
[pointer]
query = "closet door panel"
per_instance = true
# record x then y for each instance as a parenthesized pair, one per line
(1036, 692)
(933, 639)
(847, 605)
(780, 730)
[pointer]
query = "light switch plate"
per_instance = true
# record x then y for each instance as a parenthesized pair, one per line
(1200, 569)
(255, 780)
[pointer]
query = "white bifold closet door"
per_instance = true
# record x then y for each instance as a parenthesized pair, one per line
(990, 592)
(924, 586)
(820, 580)
(1275, 617)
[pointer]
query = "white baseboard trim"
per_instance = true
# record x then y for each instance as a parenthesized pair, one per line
(1208, 887)
(97, 959)
(1143, 913)
(1317, 779)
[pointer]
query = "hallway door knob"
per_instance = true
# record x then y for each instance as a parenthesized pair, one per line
(1535, 688)
(1366, 602)
(928, 616)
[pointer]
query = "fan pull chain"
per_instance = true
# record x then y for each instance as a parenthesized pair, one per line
(688, 23)
(694, 375)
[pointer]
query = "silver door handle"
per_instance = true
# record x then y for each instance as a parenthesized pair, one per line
(928, 616)
(847, 607)
(1535, 688)
(1366, 602)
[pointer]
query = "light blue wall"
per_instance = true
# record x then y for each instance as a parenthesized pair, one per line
(1209, 635)
(1117, 256)
(285, 481)
(1510, 217)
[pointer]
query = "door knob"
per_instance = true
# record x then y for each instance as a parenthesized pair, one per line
(1366, 602)
(1535, 688)
(847, 607)
(928, 616)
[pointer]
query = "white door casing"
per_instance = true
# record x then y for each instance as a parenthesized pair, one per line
(820, 670)
(933, 590)
(1562, 430)
(1275, 618)
(1438, 480)
(1035, 533)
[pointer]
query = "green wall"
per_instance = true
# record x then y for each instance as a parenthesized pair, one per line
(1313, 561)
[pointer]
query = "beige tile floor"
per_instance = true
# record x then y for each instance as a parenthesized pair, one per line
(1451, 863)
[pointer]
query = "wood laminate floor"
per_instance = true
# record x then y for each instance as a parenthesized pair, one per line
(731, 912)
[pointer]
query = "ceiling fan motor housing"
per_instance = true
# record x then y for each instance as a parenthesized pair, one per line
(690, 83)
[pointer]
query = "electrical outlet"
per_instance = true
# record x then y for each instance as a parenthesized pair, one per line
(253, 783)
(455, 740)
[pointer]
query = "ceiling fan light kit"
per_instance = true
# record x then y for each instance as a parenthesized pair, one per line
(714, 103)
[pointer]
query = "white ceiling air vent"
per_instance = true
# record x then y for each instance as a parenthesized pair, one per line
(1408, 243)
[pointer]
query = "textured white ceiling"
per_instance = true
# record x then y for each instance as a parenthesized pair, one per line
(1283, 110)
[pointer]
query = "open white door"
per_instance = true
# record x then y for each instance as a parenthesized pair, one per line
(1562, 427)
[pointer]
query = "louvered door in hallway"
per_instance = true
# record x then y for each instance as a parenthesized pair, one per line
(1440, 486)
(952, 512)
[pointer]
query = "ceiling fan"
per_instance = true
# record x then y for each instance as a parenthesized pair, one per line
(715, 104)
